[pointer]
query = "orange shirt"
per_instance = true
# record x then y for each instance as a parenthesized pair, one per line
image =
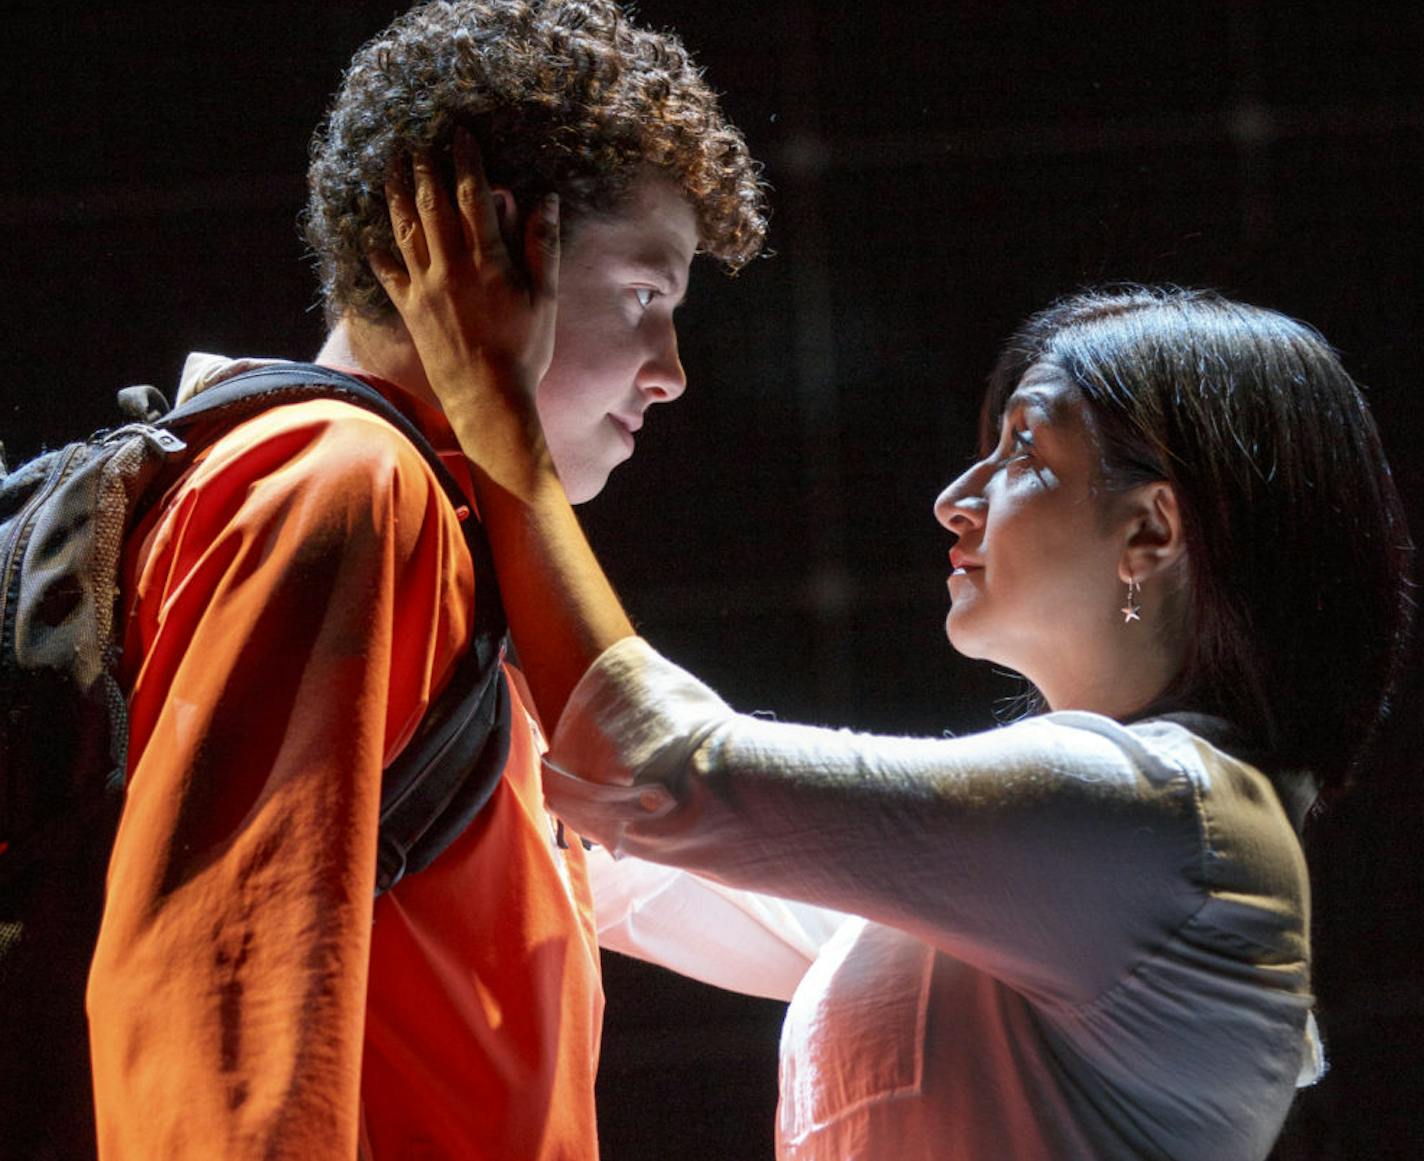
(296, 602)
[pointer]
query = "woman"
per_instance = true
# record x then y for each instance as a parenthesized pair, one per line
(1084, 934)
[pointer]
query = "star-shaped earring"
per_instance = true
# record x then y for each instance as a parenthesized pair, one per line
(1132, 611)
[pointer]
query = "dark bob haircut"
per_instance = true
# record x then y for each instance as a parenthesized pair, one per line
(1298, 601)
(564, 96)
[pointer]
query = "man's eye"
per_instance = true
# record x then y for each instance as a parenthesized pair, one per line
(645, 295)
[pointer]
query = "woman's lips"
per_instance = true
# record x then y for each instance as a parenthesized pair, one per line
(962, 564)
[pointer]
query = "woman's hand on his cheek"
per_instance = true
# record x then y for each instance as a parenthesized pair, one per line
(482, 323)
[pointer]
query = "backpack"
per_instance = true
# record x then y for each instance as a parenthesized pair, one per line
(64, 731)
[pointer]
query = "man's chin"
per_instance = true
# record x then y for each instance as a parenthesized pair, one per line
(583, 486)
(584, 466)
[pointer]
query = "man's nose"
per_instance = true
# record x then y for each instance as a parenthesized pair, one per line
(661, 376)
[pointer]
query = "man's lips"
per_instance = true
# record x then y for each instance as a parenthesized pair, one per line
(628, 426)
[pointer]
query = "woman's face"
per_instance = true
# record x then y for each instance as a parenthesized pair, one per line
(1037, 580)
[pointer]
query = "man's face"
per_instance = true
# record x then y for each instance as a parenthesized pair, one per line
(615, 347)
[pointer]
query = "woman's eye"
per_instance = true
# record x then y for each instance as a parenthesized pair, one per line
(1022, 443)
(645, 295)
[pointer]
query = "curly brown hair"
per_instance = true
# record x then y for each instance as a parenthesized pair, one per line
(562, 95)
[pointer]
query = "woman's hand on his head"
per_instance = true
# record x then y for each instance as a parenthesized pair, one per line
(481, 320)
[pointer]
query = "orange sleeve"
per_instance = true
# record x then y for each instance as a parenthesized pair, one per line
(299, 598)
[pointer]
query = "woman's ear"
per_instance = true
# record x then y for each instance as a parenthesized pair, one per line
(1153, 526)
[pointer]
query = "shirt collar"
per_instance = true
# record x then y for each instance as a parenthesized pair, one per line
(202, 370)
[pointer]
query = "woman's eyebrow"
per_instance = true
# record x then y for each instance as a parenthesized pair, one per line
(1029, 397)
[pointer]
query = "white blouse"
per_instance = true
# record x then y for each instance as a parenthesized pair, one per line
(1065, 938)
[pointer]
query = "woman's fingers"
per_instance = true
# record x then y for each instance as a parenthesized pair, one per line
(405, 222)
(442, 232)
(429, 232)
(471, 294)
(479, 219)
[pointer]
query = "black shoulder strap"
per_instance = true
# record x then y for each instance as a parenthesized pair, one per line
(447, 772)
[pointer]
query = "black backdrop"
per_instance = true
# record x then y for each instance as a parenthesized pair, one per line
(940, 170)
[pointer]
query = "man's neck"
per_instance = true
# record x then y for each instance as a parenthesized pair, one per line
(381, 350)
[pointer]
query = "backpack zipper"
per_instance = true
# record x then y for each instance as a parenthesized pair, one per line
(21, 529)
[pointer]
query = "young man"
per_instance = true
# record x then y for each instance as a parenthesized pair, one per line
(301, 595)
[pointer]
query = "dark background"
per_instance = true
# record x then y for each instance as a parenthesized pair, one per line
(940, 171)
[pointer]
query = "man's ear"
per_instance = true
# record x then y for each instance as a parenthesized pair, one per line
(507, 211)
(1153, 525)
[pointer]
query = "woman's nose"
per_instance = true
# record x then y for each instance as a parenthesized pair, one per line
(961, 507)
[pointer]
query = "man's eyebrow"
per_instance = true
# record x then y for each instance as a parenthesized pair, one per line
(663, 271)
(655, 252)
(659, 264)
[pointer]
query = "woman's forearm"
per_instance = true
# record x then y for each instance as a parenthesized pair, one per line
(562, 609)
(483, 325)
